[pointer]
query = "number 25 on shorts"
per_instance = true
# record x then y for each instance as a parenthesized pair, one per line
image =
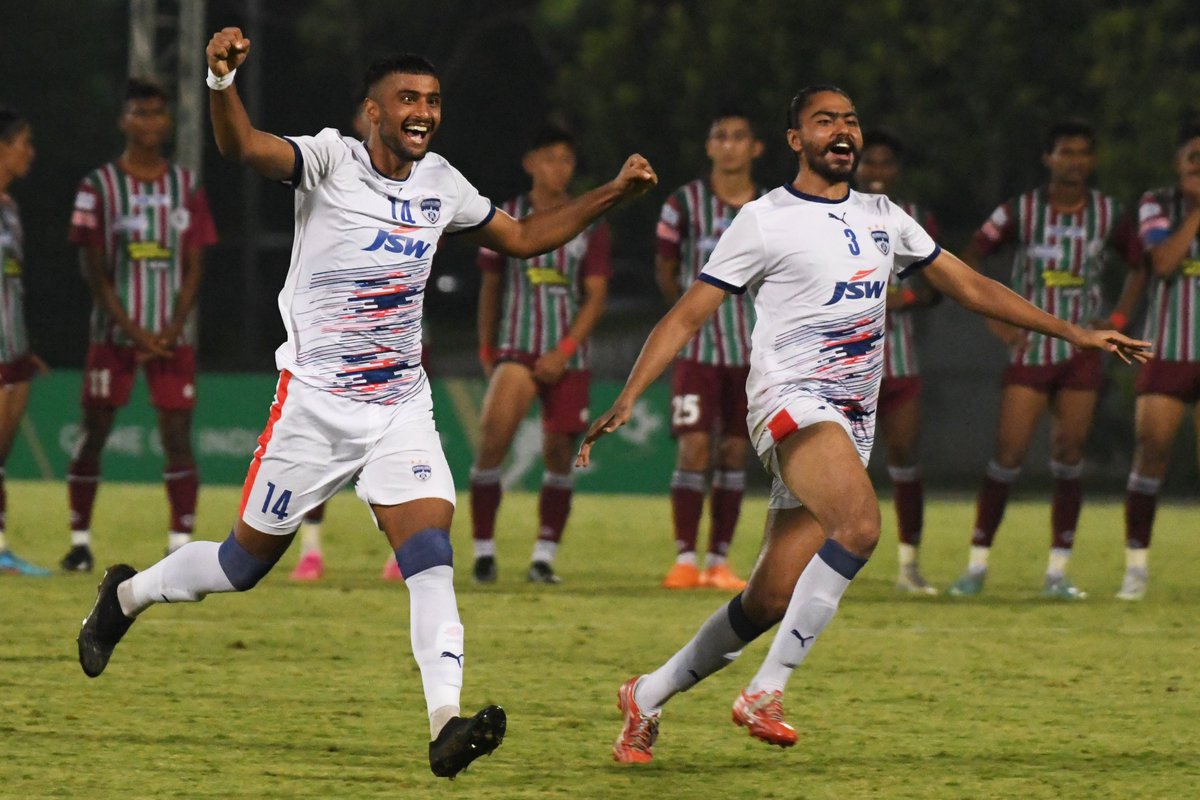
(280, 509)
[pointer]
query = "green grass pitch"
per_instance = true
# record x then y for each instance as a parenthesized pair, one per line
(304, 691)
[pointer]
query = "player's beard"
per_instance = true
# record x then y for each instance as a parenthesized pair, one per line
(815, 158)
(401, 148)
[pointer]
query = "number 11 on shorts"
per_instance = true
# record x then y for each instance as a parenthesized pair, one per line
(280, 509)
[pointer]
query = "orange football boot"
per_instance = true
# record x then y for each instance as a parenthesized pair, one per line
(762, 714)
(682, 576)
(635, 745)
(722, 577)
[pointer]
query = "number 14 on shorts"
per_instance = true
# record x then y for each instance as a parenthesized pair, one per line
(280, 509)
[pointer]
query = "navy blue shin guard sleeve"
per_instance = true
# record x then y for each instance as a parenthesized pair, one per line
(745, 629)
(841, 560)
(426, 548)
(243, 570)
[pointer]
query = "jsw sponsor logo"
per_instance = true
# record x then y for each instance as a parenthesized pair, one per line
(393, 242)
(856, 289)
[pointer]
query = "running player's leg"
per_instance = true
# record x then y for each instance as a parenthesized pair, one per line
(14, 397)
(900, 423)
(1021, 407)
(172, 383)
(821, 468)
(408, 485)
(1071, 421)
(107, 381)
(792, 537)
(1157, 418)
(509, 395)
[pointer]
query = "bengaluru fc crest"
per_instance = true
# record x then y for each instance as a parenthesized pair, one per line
(422, 471)
(431, 207)
(882, 241)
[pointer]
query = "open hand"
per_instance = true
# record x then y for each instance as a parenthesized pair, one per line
(1128, 350)
(226, 51)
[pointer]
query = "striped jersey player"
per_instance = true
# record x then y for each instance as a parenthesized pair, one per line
(708, 382)
(816, 257)
(15, 365)
(535, 318)
(1169, 226)
(141, 224)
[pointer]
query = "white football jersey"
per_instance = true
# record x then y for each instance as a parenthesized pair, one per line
(361, 257)
(818, 270)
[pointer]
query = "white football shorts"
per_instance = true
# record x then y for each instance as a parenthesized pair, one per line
(792, 410)
(315, 442)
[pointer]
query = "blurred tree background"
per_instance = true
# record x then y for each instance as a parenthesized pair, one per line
(971, 87)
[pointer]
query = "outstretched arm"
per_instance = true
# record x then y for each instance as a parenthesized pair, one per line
(237, 139)
(543, 231)
(994, 300)
(668, 337)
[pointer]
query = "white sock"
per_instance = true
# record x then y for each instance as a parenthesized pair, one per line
(176, 540)
(437, 641)
(1056, 565)
(977, 561)
(814, 602)
(713, 560)
(714, 647)
(686, 557)
(185, 576)
(907, 555)
(544, 551)
(83, 538)
(485, 548)
(310, 537)
(1135, 557)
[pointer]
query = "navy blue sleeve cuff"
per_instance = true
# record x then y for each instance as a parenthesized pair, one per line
(722, 285)
(491, 213)
(298, 168)
(924, 262)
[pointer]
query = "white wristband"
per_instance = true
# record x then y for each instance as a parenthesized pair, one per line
(221, 83)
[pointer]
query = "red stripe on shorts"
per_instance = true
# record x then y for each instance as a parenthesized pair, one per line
(281, 391)
(781, 425)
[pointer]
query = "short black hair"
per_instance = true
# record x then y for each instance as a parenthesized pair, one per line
(144, 89)
(1188, 131)
(732, 111)
(550, 133)
(1068, 128)
(800, 101)
(877, 137)
(408, 63)
(11, 123)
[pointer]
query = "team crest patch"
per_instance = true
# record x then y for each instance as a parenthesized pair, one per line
(882, 241)
(422, 471)
(431, 207)
(181, 219)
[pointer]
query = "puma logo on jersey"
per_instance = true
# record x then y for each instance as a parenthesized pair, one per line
(394, 242)
(856, 288)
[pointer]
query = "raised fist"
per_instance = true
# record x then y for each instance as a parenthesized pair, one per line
(226, 51)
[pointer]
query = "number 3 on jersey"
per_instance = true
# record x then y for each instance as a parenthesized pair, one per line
(280, 509)
(853, 243)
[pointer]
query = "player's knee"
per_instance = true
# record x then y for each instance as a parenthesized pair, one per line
(243, 569)
(694, 453)
(424, 550)
(858, 532)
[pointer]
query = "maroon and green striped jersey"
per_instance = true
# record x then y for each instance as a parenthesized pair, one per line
(1173, 310)
(900, 349)
(14, 340)
(542, 294)
(691, 222)
(144, 228)
(1058, 260)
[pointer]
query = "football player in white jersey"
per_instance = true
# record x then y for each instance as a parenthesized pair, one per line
(816, 256)
(353, 402)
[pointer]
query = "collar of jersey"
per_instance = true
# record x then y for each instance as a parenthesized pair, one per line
(815, 198)
(364, 158)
